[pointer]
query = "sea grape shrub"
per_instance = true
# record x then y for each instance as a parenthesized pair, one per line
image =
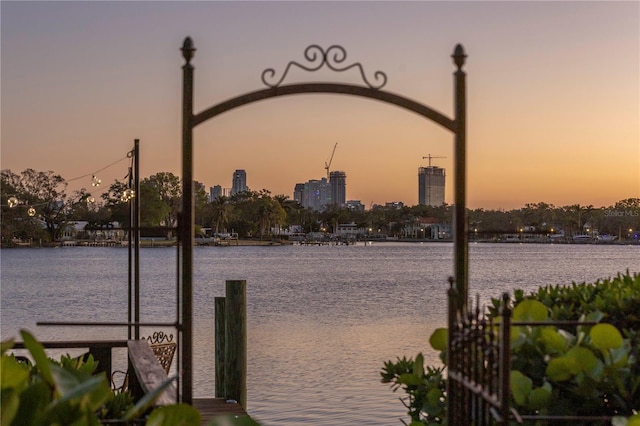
(556, 370)
(614, 301)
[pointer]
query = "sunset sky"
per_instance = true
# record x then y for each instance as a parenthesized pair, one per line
(553, 94)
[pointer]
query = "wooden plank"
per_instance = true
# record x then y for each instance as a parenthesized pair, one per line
(149, 372)
(61, 344)
(217, 407)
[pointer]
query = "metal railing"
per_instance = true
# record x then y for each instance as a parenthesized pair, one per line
(479, 366)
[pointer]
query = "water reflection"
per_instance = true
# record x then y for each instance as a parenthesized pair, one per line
(321, 320)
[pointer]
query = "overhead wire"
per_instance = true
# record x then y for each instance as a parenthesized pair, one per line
(93, 174)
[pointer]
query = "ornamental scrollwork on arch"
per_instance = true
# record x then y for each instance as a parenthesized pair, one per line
(317, 57)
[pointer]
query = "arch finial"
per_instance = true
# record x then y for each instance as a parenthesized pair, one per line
(188, 51)
(459, 56)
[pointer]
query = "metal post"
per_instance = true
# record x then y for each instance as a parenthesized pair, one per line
(461, 239)
(136, 230)
(452, 395)
(130, 261)
(505, 359)
(186, 225)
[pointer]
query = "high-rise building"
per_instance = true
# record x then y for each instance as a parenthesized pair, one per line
(431, 186)
(215, 192)
(298, 193)
(239, 182)
(316, 194)
(338, 183)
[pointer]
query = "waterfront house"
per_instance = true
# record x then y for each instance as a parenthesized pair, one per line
(426, 228)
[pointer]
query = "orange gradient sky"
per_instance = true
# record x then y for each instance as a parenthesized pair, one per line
(553, 94)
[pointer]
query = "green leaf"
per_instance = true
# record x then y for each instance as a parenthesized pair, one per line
(409, 379)
(33, 402)
(12, 373)
(521, 387)
(561, 368)
(174, 415)
(634, 420)
(517, 337)
(5, 345)
(618, 421)
(605, 337)
(147, 400)
(10, 405)
(553, 341)
(64, 380)
(434, 396)
(439, 338)
(620, 356)
(595, 316)
(39, 355)
(539, 398)
(418, 366)
(530, 310)
(83, 390)
(584, 358)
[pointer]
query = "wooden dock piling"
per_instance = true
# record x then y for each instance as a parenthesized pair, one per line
(231, 343)
(220, 345)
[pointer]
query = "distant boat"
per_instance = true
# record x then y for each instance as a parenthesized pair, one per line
(606, 238)
(582, 239)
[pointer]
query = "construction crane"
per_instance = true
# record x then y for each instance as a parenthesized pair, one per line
(430, 158)
(327, 165)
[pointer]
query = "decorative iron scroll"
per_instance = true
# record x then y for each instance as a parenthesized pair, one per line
(159, 337)
(333, 58)
(163, 348)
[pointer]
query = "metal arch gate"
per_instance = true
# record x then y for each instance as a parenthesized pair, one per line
(332, 57)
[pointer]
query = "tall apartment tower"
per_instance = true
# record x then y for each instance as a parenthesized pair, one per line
(239, 182)
(431, 186)
(317, 194)
(215, 192)
(298, 193)
(338, 182)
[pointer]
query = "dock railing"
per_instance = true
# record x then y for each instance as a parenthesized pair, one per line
(101, 350)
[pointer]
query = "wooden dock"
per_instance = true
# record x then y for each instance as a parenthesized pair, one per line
(216, 407)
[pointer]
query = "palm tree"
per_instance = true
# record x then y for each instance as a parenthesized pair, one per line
(221, 212)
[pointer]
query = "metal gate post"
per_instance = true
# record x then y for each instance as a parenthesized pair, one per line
(186, 225)
(136, 230)
(461, 239)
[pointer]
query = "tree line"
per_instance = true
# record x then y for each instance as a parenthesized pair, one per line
(37, 205)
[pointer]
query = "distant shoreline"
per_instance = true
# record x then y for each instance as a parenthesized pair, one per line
(159, 243)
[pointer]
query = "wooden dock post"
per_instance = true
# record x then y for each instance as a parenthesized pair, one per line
(235, 348)
(220, 345)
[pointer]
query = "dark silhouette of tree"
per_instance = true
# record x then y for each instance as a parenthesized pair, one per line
(45, 192)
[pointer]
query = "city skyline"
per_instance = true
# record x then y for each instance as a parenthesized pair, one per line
(553, 94)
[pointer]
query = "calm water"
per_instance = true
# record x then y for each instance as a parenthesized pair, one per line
(321, 320)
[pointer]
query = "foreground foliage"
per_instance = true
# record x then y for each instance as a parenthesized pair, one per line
(67, 392)
(556, 370)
